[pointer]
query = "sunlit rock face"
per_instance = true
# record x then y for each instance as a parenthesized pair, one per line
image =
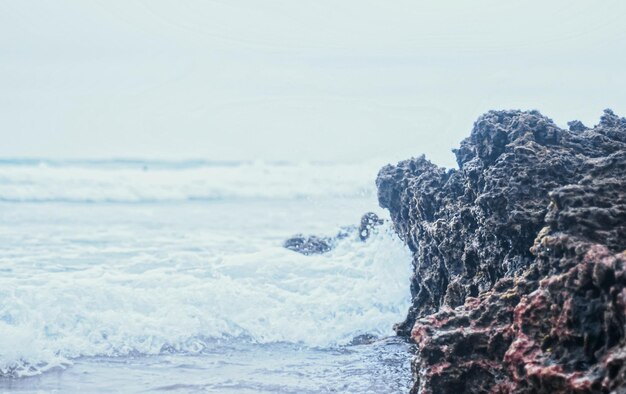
(519, 257)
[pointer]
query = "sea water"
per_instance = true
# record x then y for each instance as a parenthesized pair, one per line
(134, 276)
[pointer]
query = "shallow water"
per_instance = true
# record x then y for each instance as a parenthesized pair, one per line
(130, 276)
(237, 367)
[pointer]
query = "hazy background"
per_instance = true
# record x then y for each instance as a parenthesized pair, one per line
(295, 80)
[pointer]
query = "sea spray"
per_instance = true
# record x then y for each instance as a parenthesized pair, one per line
(118, 290)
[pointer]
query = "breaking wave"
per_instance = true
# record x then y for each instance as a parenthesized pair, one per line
(182, 303)
(136, 181)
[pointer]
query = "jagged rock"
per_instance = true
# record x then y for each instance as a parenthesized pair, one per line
(368, 222)
(576, 125)
(519, 271)
(309, 244)
(313, 244)
(363, 339)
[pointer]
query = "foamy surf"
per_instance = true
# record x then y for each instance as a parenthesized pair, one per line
(142, 306)
(158, 277)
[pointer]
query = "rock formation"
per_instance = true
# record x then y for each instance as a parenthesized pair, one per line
(368, 222)
(519, 258)
(310, 244)
(313, 244)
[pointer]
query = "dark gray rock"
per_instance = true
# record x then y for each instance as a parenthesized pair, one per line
(309, 244)
(313, 244)
(517, 254)
(368, 222)
(469, 227)
(577, 126)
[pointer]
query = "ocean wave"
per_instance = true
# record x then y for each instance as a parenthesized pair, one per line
(135, 181)
(155, 305)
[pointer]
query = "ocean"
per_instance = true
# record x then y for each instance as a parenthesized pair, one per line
(149, 276)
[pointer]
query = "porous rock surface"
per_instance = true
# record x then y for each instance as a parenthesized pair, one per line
(519, 257)
(309, 244)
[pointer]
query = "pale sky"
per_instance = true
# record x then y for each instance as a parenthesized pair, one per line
(295, 80)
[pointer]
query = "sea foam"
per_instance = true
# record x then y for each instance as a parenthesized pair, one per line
(183, 302)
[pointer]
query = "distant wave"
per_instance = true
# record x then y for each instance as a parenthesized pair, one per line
(138, 181)
(128, 163)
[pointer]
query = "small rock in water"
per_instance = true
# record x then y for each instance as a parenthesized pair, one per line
(309, 244)
(368, 222)
(363, 339)
(313, 244)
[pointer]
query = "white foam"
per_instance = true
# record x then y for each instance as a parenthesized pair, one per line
(149, 304)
